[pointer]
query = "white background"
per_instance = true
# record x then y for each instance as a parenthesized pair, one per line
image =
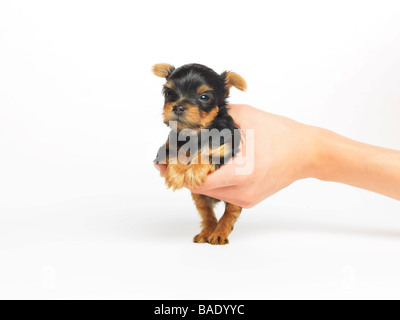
(83, 213)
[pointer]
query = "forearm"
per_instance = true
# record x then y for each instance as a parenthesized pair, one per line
(340, 159)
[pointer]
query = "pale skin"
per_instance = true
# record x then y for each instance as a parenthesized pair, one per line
(287, 151)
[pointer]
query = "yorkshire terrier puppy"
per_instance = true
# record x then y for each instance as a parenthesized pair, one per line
(195, 106)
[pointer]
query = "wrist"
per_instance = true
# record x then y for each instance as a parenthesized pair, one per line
(321, 153)
(309, 162)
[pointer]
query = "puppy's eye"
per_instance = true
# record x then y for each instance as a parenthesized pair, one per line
(204, 98)
(168, 93)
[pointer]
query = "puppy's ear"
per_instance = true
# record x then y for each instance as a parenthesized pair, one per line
(163, 70)
(232, 79)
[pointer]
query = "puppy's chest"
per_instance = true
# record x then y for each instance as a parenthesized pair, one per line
(203, 150)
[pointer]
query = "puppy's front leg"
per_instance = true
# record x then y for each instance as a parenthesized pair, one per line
(175, 176)
(225, 225)
(196, 174)
(205, 207)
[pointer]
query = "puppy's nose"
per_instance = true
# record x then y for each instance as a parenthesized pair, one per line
(179, 110)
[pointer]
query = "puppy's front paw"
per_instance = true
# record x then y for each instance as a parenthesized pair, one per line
(175, 177)
(200, 238)
(218, 238)
(197, 174)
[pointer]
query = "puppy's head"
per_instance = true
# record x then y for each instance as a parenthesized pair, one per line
(194, 94)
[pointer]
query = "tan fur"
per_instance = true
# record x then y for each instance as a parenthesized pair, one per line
(175, 176)
(196, 174)
(192, 115)
(225, 225)
(203, 88)
(221, 151)
(192, 118)
(170, 85)
(191, 175)
(205, 207)
(168, 113)
(234, 80)
(162, 69)
(206, 118)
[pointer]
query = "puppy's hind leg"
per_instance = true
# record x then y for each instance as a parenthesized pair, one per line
(205, 207)
(225, 224)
